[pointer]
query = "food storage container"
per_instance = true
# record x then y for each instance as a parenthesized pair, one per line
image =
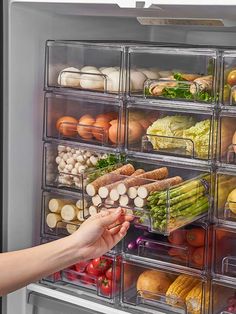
(87, 120)
(227, 139)
(84, 66)
(228, 79)
(67, 165)
(173, 74)
(159, 289)
(174, 133)
(223, 299)
(188, 246)
(62, 212)
(160, 196)
(225, 204)
(224, 252)
(100, 275)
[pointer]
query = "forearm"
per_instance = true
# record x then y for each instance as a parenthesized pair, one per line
(19, 268)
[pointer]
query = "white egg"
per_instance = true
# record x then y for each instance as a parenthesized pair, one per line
(137, 79)
(93, 81)
(113, 81)
(69, 77)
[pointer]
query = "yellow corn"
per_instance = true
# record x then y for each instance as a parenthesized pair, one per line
(179, 289)
(196, 298)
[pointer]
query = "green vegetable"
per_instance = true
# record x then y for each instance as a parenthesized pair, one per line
(109, 161)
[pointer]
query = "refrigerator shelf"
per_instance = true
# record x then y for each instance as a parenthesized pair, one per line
(180, 249)
(173, 133)
(186, 74)
(151, 287)
(85, 66)
(83, 119)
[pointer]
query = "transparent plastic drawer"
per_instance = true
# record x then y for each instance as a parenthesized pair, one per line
(227, 139)
(223, 297)
(67, 165)
(101, 275)
(84, 66)
(225, 251)
(228, 79)
(164, 131)
(163, 290)
(62, 213)
(160, 196)
(189, 246)
(225, 205)
(87, 120)
(178, 74)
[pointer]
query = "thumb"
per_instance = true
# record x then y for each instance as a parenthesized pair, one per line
(107, 218)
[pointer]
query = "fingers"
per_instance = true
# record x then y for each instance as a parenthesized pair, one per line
(108, 218)
(121, 233)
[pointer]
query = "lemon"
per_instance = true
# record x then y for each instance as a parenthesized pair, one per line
(232, 201)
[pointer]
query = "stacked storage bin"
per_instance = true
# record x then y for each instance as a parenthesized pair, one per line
(224, 266)
(81, 99)
(154, 111)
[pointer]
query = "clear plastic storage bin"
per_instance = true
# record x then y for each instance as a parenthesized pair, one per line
(225, 204)
(62, 213)
(162, 130)
(227, 139)
(87, 120)
(224, 251)
(228, 79)
(160, 196)
(223, 299)
(155, 290)
(189, 246)
(167, 73)
(85, 66)
(68, 166)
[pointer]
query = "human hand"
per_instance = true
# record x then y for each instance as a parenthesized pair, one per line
(101, 232)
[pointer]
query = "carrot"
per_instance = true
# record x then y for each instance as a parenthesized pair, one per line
(198, 256)
(196, 237)
(156, 174)
(108, 178)
(159, 185)
(177, 237)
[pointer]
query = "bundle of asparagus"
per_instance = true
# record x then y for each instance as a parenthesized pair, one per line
(179, 205)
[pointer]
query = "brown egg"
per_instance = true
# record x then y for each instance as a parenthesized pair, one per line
(67, 125)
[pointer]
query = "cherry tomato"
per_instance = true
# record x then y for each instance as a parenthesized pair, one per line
(90, 269)
(101, 264)
(109, 273)
(71, 276)
(88, 280)
(57, 276)
(106, 287)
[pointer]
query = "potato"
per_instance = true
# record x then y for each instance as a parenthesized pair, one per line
(153, 281)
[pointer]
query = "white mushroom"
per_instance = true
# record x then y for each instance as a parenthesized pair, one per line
(62, 164)
(69, 167)
(70, 161)
(88, 154)
(61, 148)
(93, 81)
(93, 160)
(82, 169)
(58, 160)
(88, 163)
(137, 79)
(68, 149)
(65, 157)
(74, 171)
(80, 159)
(69, 77)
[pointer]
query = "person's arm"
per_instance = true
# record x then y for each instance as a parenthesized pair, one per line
(96, 236)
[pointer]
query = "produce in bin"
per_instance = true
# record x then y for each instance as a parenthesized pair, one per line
(231, 304)
(227, 131)
(181, 86)
(229, 91)
(178, 132)
(101, 274)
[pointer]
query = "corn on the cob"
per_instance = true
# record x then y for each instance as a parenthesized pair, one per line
(179, 289)
(196, 300)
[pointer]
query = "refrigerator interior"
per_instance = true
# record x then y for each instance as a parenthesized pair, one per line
(29, 26)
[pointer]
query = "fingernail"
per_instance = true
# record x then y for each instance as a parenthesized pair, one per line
(118, 211)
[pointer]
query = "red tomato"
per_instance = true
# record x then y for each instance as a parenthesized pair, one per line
(109, 273)
(71, 276)
(90, 269)
(80, 267)
(101, 264)
(106, 287)
(177, 237)
(88, 280)
(57, 276)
